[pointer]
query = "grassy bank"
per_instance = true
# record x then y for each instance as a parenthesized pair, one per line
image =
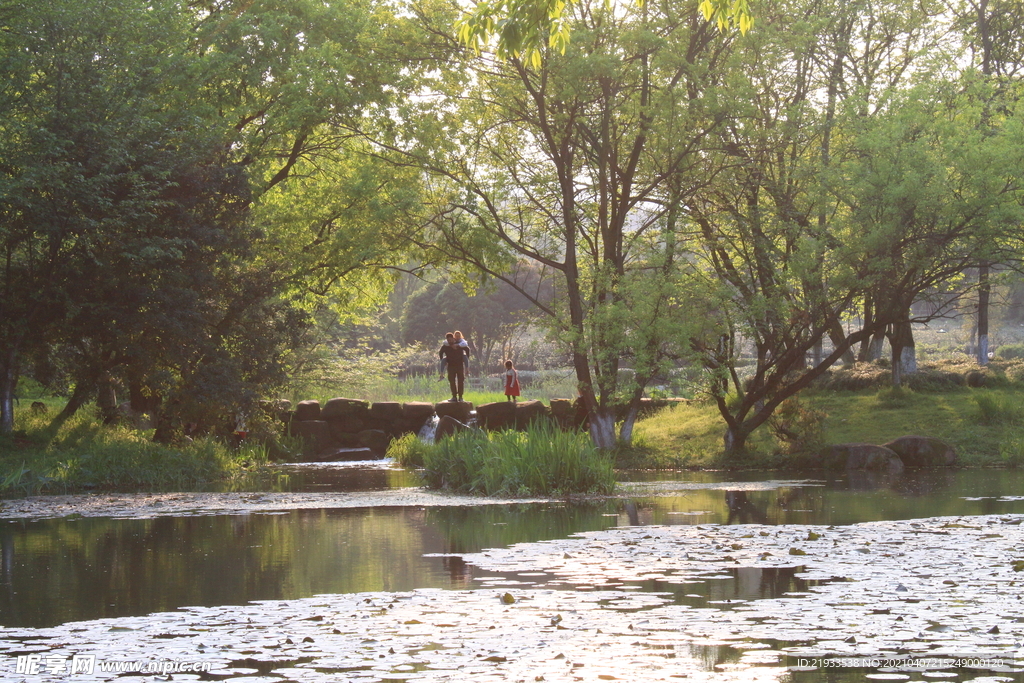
(985, 425)
(85, 455)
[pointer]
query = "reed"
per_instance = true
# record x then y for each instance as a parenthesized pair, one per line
(540, 461)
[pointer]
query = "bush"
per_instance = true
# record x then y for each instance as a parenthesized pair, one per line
(1010, 352)
(894, 398)
(797, 425)
(543, 460)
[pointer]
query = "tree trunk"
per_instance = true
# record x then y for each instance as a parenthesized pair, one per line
(602, 428)
(874, 347)
(106, 398)
(632, 413)
(83, 389)
(8, 384)
(984, 293)
(904, 354)
(868, 352)
(838, 335)
(735, 440)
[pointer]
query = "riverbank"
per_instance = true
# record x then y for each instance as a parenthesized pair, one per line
(984, 425)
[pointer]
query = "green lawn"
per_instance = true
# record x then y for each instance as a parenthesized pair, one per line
(986, 426)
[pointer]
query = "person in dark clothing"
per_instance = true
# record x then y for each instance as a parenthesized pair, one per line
(456, 357)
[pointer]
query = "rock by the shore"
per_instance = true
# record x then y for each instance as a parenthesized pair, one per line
(861, 456)
(923, 451)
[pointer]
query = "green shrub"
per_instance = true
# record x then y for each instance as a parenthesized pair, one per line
(894, 398)
(540, 461)
(797, 425)
(1014, 372)
(1010, 352)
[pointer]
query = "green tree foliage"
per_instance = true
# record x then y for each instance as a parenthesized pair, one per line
(523, 28)
(145, 236)
(563, 167)
(488, 319)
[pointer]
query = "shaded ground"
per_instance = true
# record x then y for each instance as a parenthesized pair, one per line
(920, 591)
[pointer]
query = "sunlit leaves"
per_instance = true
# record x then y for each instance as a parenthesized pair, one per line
(524, 28)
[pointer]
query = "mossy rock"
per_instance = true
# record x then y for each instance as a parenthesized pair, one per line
(861, 456)
(923, 451)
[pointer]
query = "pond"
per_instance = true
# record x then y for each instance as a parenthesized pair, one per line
(77, 569)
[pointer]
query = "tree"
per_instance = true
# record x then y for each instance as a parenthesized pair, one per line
(146, 150)
(484, 317)
(563, 165)
(780, 236)
(930, 193)
(92, 152)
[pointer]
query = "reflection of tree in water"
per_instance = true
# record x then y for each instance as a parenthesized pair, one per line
(742, 511)
(461, 573)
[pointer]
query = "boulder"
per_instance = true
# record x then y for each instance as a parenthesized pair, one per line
(498, 415)
(307, 410)
(923, 451)
(341, 435)
(460, 410)
(374, 439)
(528, 411)
(417, 411)
(447, 426)
(347, 424)
(563, 411)
(387, 412)
(414, 415)
(861, 456)
(315, 435)
(344, 408)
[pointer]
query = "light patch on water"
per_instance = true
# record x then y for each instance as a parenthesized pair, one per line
(962, 574)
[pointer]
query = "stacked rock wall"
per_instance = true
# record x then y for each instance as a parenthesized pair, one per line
(353, 429)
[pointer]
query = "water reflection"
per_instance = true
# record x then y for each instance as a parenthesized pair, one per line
(54, 571)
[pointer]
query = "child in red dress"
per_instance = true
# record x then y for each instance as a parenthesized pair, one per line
(511, 382)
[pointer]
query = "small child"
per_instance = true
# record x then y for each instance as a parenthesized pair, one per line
(511, 382)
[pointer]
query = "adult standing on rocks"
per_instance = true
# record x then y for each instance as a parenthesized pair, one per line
(455, 355)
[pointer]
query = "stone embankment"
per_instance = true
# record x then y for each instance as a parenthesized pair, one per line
(353, 429)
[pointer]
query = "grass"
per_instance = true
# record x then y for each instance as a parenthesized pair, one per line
(543, 460)
(535, 385)
(85, 455)
(984, 425)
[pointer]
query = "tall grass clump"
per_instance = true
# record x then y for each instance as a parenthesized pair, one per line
(543, 460)
(992, 409)
(408, 450)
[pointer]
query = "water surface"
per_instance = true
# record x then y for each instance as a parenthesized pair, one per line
(60, 570)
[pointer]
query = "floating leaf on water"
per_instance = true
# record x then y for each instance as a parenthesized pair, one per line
(797, 551)
(812, 536)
